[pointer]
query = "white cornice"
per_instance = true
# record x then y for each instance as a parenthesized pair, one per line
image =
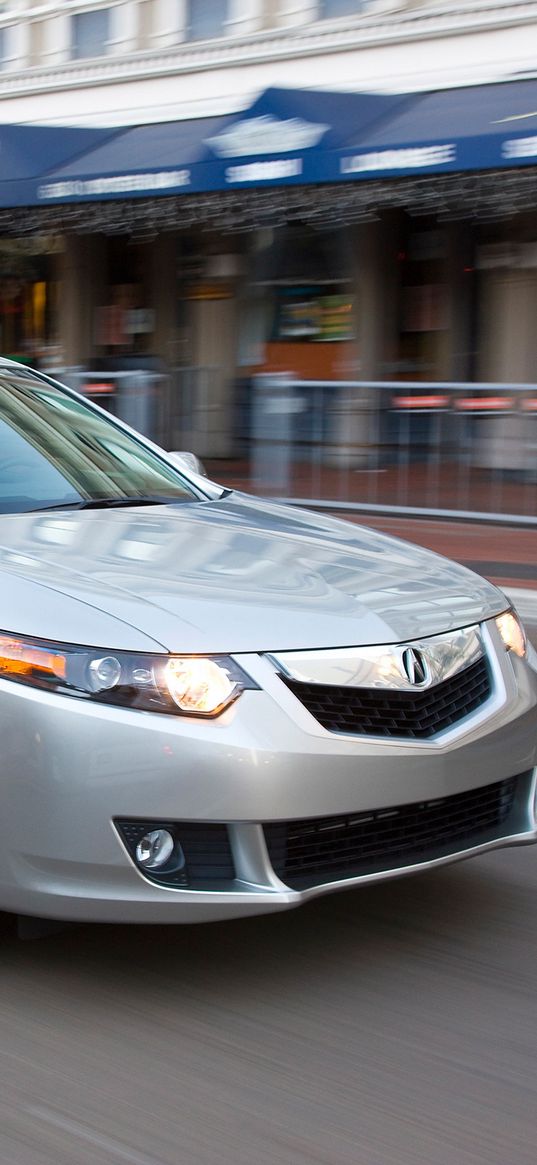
(322, 38)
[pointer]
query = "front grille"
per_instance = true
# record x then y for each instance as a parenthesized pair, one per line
(319, 849)
(415, 715)
(206, 849)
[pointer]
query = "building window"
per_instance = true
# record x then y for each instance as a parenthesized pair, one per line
(90, 33)
(332, 8)
(206, 19)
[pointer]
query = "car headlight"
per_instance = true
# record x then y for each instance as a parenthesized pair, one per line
(512, 633)
(192, 685)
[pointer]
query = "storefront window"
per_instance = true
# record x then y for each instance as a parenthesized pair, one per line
(299, 316)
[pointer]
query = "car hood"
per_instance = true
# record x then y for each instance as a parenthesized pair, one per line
(234, 575)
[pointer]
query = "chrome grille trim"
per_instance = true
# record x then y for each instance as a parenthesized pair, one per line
(384, 666)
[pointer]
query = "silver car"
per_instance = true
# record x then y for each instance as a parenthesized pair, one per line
(213, 706)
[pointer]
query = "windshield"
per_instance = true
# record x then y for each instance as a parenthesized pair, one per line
(56, 451)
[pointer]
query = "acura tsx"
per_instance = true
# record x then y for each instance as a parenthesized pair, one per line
(213, 705)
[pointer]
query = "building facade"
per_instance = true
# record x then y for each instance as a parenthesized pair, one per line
(416, 281)
(104, 62)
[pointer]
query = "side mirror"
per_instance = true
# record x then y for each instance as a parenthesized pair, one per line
(188, 462)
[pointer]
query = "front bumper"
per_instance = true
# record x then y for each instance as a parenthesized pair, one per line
(72, 770)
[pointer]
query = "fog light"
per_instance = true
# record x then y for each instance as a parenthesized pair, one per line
(155, 849)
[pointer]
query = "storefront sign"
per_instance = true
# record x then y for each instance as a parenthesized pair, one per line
(118, 184)
(520, 148)
(265, 171)
(409, 158)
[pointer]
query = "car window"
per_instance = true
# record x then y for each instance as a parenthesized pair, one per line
(55, 450)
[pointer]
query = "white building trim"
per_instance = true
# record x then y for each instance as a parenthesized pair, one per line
(411, 48)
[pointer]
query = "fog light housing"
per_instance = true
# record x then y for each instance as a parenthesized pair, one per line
(155, 849)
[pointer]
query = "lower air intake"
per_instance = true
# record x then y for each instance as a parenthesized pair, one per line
(329, 849)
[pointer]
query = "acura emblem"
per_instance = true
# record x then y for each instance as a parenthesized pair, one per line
(415, 667)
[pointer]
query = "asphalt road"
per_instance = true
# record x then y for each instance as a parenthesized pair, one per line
(394, 1025)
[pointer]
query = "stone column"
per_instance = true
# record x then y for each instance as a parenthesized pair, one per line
(245, 16)
(169, 23)
(458, 354)
(356, 411)
(297, 12)
(162, 293)
(123, 35)
(375, 247)
(214, 326)
(161, 296)
(56, 46)
(508, 353)
(83, 282)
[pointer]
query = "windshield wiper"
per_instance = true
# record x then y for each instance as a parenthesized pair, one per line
(106, 504)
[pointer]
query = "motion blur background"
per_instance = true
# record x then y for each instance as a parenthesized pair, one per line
(298, 237)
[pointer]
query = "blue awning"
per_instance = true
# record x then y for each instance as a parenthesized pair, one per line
(28, 152)
(287, 137)
(483, 127)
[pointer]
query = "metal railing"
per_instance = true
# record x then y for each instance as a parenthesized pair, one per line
(436, 448)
